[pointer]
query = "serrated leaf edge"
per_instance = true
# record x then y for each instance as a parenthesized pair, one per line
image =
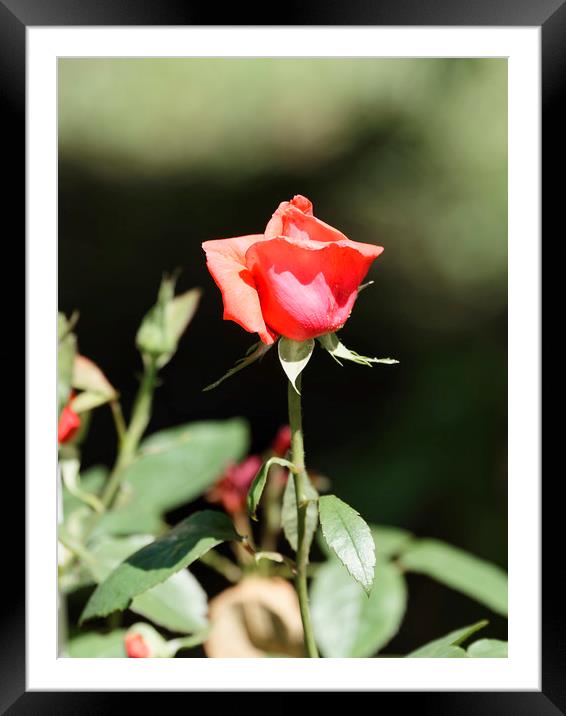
(367, 589)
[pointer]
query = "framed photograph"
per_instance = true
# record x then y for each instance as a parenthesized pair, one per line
(283, 353)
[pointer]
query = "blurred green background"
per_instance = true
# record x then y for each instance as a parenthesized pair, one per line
(158, 155)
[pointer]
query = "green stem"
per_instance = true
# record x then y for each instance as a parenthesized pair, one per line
(300, 477)
(141, 413)
(188, 642)
(76, 547)
(272, 513)
(222, 565)
(119, 422)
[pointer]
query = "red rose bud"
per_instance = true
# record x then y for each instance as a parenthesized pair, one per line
(282, 442)
(298, 279)
(69, 423)
(232, 488)
(136, 646)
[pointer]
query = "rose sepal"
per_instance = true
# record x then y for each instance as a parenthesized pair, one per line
(294, 356)
(256, 488)
(162, 327)
(254, 352)
(331, 343)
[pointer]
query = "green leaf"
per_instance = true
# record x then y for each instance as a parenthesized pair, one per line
(88, 401)
(346, 622)
(488, 649)
(174, 467)
(87, 376)
(289, 512)
(156, 562)
(257, 351)
(294, 356)
(478, 579)
(180, 312)
(178, 604)
(95, 387)
(338, 351)
(349, 537)
(129, 521)
(390, 541)
(256, 488)
(108, 552)
(450, 652)
(66, 349)
(163, 326)
(101, 646)
(444, 647)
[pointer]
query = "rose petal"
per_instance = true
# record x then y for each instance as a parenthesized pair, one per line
(306, 287)
(291, 221)
(302, 203)
(225, 259)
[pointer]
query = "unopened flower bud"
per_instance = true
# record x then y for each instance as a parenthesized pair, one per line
(136, 646)
(69, 423)
(282, 442)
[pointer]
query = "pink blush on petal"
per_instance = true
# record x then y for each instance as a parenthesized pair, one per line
(307, 288)
(302, 311)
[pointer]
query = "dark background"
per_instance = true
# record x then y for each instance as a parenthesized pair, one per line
(157, 156)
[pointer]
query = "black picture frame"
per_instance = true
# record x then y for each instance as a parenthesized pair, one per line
(550, 15)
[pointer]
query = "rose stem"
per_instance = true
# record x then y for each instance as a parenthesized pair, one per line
(299, 477)
(222, 565)
(141, 413)
(128, 438)
(119, 422)
(272, 513)
(243, 528)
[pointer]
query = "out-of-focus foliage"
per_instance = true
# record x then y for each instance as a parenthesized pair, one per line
(348, 623)
(480, 580)
(187, 459)
(448, 647)
(155, 563)
(146, 573)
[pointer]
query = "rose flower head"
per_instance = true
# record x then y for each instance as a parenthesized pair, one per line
(299, 279)
(232, 488)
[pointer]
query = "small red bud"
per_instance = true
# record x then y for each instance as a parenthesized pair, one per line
(232, 488)
(69, 423)
(136, 647)
(282, 442)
